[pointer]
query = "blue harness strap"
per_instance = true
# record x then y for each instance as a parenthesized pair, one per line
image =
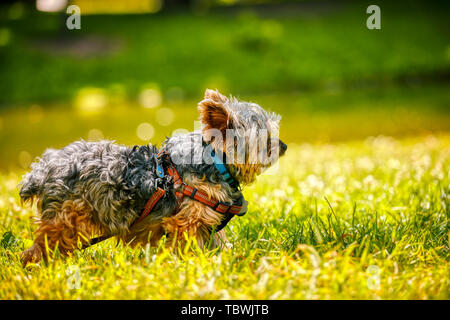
(222, 168)
(159, 168)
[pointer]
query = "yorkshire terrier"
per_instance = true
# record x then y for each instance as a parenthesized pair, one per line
(191, 186)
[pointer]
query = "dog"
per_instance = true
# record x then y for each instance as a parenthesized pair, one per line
(192, 185)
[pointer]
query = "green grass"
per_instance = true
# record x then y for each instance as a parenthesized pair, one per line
(322, 225)
(240, 50)
(342, 209)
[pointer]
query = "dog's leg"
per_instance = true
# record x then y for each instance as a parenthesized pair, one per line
(72, 224)
(195, 220)
(147, 231)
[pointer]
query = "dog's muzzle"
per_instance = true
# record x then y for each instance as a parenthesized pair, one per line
(283, 147)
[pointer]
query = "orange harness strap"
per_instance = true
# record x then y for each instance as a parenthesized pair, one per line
(151, 203)
(202, 197)
(216, 205)
(188, 191)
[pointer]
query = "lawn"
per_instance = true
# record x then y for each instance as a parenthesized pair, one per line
(360, 220)
(255, 50)
(358, 208)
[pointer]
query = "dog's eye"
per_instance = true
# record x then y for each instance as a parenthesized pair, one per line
(269, 146)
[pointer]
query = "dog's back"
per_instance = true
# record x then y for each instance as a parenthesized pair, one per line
(79, 169)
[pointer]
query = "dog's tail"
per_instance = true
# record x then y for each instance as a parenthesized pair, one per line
(29, 189)
(32, 183)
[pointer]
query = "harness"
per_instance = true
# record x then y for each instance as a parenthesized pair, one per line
(228, 210)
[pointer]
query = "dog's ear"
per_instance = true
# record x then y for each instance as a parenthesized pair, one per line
(213, 111)
(215, 95)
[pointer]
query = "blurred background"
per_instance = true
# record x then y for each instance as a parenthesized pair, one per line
(136, 69)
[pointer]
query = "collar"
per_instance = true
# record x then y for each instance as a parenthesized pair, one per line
(219, 164)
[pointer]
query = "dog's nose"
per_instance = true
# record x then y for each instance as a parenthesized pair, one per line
(283, 148)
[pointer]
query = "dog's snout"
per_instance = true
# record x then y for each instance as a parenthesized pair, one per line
(283, 147)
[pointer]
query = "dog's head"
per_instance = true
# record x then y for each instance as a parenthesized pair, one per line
(245, 132)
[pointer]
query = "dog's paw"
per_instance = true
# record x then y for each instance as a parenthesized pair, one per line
(31, 255)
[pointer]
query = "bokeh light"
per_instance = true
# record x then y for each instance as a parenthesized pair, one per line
(164, 116)
(51, 5)
(90, 101)
(24, 159)
(179, 132)
(150, 98)
(145, 131)
(95, 135)
(5, 36)
(119, 7)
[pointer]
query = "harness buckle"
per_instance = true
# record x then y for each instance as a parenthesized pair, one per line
(244, 204)
(218, 203)
(244, 208)
(159, 168)
(194, 191)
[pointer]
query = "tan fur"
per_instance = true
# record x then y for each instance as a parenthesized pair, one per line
(213, 113)
(215, 96)
(147, 231)
(194, 218)
(245, 172)
(72, 225)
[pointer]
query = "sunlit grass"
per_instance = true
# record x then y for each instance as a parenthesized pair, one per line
(324, 224)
